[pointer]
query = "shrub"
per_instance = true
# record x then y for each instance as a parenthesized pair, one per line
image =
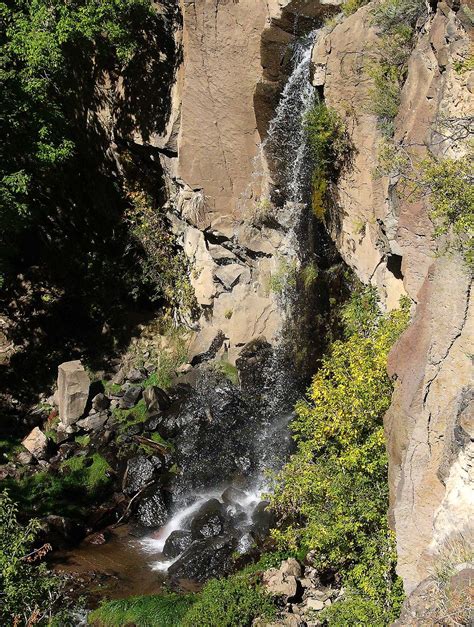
(330, 150)
(351, 6)
(91, 472)
(285, 276)
(28, 593)
(446, 183)
(389, 14)
(332, 495)
(232, 602)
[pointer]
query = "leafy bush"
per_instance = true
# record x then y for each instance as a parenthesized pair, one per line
(448, 186)
(330, 149)
(232, 602)
(332, 495)
(388, 15)
(28, 593)
(351, 6)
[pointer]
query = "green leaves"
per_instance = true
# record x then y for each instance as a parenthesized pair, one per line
(332, 496)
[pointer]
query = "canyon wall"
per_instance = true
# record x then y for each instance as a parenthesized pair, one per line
(388, 240)
(234, 67)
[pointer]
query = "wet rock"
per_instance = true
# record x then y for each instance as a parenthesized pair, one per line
(36, 443)
(177, 542)
(139, 472)
(100, 402)
(263, 520)
(205, 559)
(98, 539)
(73, 391)
(232, 496)
(209, 521)
(156, 400)
(130, 397)
(152, 510)
(93, 422)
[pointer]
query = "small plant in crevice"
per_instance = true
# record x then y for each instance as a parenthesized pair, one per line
(331, 150)
(284, 277)
(351, 6)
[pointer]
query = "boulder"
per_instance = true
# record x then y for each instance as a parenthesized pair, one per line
(291, 567)
(176, 543)
(233, 496)
(73, 391)
(136, 376)
(156, 400)
(130, 397)
(93, 422)
(100, 402)
(209, 521)
(139, 472)
(277, 584)
(152, 510)
(205, 559)
(262, 520)
(36, 443)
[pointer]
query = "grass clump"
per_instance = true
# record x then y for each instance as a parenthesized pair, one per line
(231, 602)
(93, 472)
(332, 495)
(330, 150)
(228, 370)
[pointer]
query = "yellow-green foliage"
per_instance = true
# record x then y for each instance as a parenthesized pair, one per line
(284, 277)
(448, 186)
(330, 149)
(332, 495)
(351, 6)
(449, 183)
(93, 472)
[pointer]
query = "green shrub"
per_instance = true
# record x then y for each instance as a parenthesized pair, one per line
(351, 6)
(332, 495)
(284, 277)
(28, 593)
(388, 15)
(330, 150)
(92, 472)
(448, 186)
(232, 602)
(228, 370)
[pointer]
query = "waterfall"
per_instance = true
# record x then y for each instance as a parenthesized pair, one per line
(233, 437)
(286, 144)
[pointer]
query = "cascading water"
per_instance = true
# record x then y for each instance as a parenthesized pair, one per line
(286, 143)
(230, 437)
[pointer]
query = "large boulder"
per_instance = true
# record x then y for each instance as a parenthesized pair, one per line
(156, 400)
(73, 391)
(205, 559)
(36, 443)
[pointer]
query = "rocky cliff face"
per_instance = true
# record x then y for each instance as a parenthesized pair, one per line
(389, 242)
(234, 66)
(218, 182)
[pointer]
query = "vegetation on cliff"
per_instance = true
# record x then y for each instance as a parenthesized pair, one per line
(332, 496)
(330, 150)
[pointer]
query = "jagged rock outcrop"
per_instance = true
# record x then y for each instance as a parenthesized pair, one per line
(388, 240)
